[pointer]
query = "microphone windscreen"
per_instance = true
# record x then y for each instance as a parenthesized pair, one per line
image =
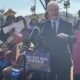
(34, 35)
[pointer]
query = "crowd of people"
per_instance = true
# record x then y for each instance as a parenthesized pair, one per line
(52, 34)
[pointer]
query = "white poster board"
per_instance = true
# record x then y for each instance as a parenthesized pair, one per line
(18, 27)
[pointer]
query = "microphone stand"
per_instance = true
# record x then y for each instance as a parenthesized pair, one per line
(26, 48)
(23, 52)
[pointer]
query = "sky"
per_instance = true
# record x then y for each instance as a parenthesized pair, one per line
(22, 7)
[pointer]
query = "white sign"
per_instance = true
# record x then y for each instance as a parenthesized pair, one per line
(18, 27)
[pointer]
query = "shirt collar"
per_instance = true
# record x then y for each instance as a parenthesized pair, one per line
(56, 20)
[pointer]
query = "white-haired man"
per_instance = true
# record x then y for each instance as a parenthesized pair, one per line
(56, 37)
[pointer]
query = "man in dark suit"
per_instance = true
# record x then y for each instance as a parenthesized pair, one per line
(55, 38)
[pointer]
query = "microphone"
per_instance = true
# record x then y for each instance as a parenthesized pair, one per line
(34, 36)
(35, 32)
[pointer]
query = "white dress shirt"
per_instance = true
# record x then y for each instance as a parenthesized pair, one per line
(56, 23)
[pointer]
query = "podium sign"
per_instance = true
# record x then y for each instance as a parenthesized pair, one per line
(38, 61)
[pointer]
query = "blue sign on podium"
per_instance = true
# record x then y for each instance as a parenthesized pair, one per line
(38, 61)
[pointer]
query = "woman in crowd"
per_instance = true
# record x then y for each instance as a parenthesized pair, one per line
(18, 64)
(76, 50)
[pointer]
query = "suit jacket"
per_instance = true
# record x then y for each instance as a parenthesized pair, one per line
(76, 26)
(58, 48)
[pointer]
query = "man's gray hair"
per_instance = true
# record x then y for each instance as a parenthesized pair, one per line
(55, 3)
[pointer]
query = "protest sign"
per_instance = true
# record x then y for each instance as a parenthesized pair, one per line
(38, 61)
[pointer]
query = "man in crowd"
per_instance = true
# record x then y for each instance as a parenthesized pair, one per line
(55, 37)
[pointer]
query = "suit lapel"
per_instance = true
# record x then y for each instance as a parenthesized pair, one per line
(48, 26)
(60, 27)
(50, 30)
